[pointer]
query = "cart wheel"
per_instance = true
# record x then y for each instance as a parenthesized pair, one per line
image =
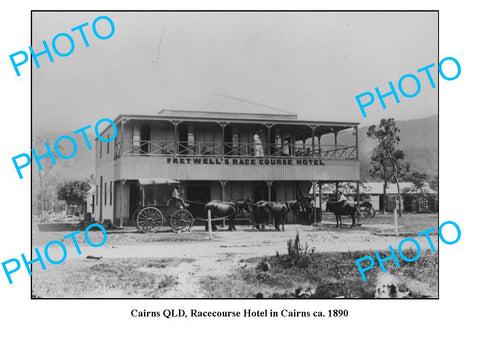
(135, 214)
(181, 220)
(370, 212)
(149, 218)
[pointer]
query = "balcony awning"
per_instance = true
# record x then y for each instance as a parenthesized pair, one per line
(150, 181)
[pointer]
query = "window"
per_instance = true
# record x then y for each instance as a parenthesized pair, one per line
(105, 193)
(108, 144)
(111, 193)
(100, 147)
(235, 140)
(191, 139)
(116, 146)
(141, 139)
(136, 139)
(96, 192)
(278, 138)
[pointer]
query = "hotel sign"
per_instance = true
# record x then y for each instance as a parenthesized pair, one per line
(243, 161)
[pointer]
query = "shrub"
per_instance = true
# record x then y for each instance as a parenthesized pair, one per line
(298, 256)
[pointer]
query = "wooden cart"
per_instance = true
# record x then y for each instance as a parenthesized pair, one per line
(158, 207)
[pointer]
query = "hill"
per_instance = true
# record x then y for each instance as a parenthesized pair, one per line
(418, 139)
(81, 166)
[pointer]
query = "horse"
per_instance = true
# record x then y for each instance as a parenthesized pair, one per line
(243, 205)
(341, 208)
(260, 215)
(278, 210)
(308, 209)
(227, 210)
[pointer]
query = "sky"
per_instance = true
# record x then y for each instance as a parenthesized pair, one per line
(309, 63)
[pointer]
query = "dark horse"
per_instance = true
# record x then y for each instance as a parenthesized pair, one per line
(308, 209)
(229, 210)
(262, 210)
(341, 208)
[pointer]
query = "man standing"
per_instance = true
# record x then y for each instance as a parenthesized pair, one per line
(286, 146)
(257, 144)
(342, 199)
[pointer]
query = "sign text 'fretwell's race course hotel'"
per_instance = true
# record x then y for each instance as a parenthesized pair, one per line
(221, 148)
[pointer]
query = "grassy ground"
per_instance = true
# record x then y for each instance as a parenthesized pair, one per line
(128, 277)
(422, 221)
(410, 222)
(228, 271)
(328, 275)
(127, 236)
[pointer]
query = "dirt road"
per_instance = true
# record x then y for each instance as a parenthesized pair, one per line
(228, 251)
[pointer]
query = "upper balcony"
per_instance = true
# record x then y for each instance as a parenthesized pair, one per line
(236, 150)
(164, 137)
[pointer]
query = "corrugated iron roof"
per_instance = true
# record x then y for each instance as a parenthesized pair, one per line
(223, 105)
(376, 188)
(214, 107)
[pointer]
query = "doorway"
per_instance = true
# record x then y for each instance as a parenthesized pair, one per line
(145, 139)
(197, 192)
(100, 199)
(135, 199)
(260, 192)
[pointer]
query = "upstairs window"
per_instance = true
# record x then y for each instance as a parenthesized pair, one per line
(116, 146)
(191, 140)
(141, 139)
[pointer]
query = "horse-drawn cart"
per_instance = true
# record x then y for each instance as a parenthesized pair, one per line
(367, 209)
(158, 206)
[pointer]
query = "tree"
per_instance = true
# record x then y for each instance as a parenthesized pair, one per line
(73, 192)
(420, 186)
(398, 171)
(418, 179)
(50, 186)
(434, 183)
(47, 165)
(387, 160)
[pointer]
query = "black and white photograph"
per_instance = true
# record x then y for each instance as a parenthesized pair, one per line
(238, 170)
(235, 155)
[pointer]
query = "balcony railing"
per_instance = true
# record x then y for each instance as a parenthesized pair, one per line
(340, 152)
(200, 148)
(232, 150)
(145, 147)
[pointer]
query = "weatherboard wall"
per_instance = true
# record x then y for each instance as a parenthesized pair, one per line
(134, 167)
